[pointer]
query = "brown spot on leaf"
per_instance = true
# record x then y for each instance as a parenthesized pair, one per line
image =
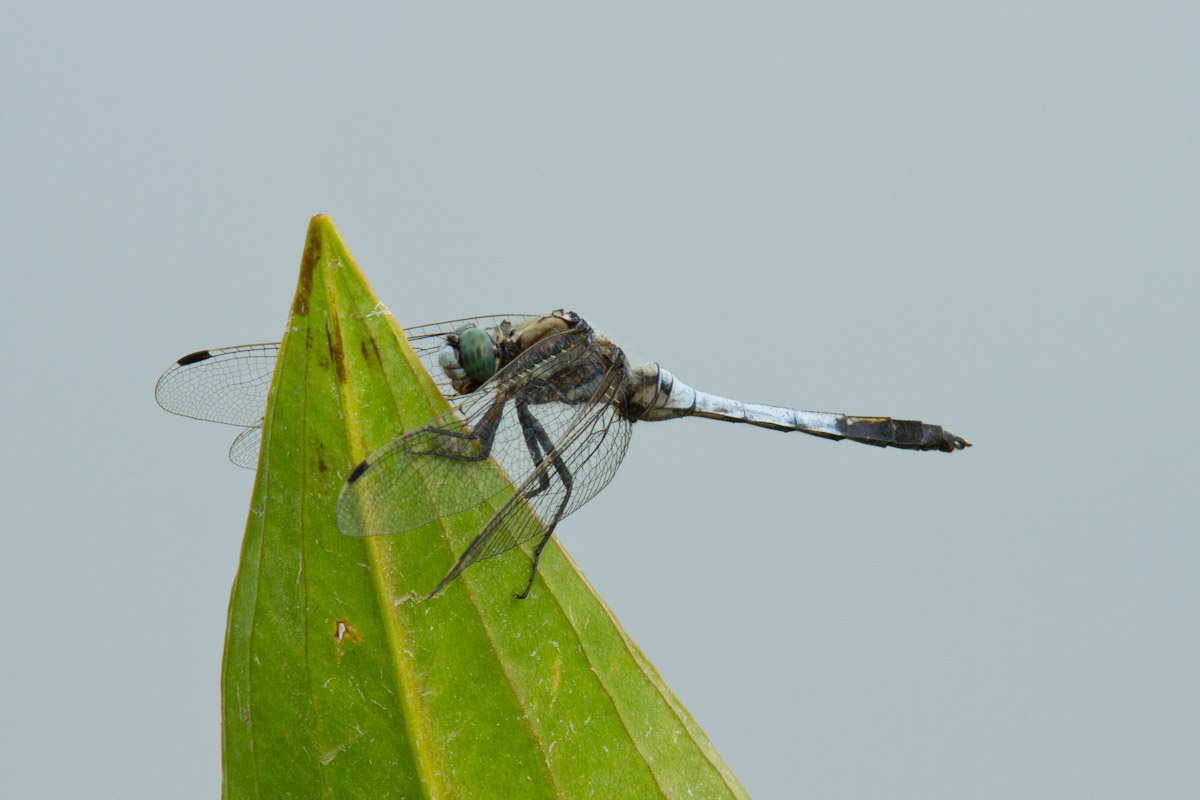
(312, 254)
(337, 350)
(343, 631)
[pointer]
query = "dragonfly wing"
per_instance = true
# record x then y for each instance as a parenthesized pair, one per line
(230, 384)
(582, 459)
(244, 450)
(227, 385)
(418, 477)
(591, 459)
(444, 467)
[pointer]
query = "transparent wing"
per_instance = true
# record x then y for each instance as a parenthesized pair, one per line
(571, 475)
(230, 384)
(226, 385)
(244, 450)
(547, 421)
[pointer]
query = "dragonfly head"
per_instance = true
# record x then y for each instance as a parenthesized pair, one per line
(468, 358)
(477, 353)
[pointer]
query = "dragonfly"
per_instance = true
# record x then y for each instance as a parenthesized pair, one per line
(546, 399)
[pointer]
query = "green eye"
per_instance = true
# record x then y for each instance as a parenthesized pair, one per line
(477, 353)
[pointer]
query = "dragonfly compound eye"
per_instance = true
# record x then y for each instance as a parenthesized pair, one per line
(477, 353)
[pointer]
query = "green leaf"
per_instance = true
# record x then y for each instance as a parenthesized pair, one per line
(339, 682)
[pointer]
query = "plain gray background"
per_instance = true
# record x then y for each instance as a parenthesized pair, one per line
(981, 217)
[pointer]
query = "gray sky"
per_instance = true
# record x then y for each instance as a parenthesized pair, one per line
(981, 217)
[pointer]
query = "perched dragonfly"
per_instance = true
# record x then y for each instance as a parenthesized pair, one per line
(546, 398)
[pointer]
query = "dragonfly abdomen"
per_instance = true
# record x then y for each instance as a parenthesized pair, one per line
(663, 396)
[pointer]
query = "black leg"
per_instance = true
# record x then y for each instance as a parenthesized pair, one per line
(537, 553)
(484, 433)
(538, 443)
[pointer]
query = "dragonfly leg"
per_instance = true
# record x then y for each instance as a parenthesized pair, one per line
(541, 448)
(544, 455)
(444, 442)
(537, 553)
(538, 443)
(455, 445)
